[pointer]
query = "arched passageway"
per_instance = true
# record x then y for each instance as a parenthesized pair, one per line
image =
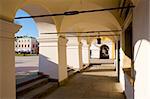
(53, 48)
(49, 45)
(26, 46)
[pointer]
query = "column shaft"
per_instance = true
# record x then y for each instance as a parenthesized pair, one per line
(62, 58)
(7, 60)
(52, 59)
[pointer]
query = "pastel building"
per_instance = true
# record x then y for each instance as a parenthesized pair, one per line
(26, 44)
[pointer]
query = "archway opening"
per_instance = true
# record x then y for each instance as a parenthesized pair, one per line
(104, 52)
(26, 46)
(46, 62)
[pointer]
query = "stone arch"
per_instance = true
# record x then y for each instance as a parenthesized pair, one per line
(44, 22)
(48, 44)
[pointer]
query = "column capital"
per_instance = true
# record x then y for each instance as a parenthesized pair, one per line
(62, 40)
(88, 42)
(8, 29)
(61, 37)
(80, 44)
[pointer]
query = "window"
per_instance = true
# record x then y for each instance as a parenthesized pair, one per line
(25, 45)
(19, 45)
(33, 45)
(22, 45)
(28, 45)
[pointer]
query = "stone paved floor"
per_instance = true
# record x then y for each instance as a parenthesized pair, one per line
(96, 82)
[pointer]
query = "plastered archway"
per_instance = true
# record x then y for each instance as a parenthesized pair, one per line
(50, 61)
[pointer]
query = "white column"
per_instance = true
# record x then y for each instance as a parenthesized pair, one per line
(116, 56)
(74, 55)
(80, 56)
(86, 54)
(52, 57)
(7, 60)
(62, 58)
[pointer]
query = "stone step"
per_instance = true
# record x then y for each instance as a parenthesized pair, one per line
(30, 86)
(40, 92)
(70, 70)
(28, 79)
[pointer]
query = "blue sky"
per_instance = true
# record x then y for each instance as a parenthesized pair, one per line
(28, 25)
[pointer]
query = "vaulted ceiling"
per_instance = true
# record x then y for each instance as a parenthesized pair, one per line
(95, 21)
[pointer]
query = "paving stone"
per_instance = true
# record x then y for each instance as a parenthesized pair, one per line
(94, 84)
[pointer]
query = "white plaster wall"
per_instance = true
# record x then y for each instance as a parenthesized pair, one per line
(122, 80)
(74, 53)
(44, 27)
(85, 54)
(73, 56)
(141, 65)
(141, 42)
(48, 59)
(95, 51)
(48, 50)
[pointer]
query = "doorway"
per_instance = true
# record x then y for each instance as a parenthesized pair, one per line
(104, 52)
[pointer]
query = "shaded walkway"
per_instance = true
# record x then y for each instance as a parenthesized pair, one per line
(96, 82)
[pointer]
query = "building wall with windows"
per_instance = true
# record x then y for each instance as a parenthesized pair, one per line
(26, 45)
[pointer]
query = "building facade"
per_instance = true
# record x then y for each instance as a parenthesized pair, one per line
(26, 45)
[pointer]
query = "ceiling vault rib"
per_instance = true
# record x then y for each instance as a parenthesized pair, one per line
(68, 13)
